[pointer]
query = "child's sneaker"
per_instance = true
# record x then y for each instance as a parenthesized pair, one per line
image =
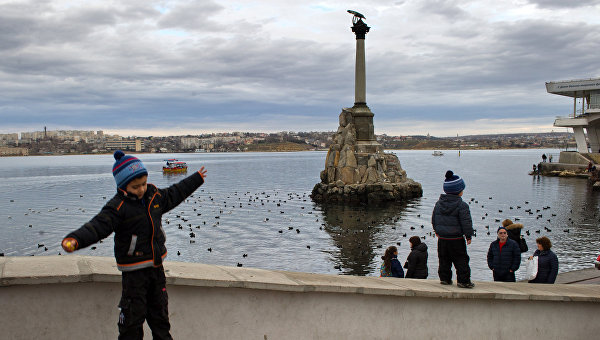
(465, 285)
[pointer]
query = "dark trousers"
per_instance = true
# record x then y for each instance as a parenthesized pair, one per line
(453, 252)
(504, 277)
(144, 297)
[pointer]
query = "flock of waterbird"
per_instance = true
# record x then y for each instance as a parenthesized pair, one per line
(205, 211)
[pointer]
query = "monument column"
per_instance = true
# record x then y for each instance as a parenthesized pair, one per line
(360, 76)
(363, 117)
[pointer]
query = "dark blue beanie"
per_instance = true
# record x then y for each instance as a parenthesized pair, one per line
(127, 168)
(453, 183)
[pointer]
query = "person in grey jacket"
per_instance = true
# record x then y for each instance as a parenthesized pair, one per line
(452, 223)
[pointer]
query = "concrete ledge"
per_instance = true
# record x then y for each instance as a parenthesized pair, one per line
(589, 275)
(67, 296)
(73, 269)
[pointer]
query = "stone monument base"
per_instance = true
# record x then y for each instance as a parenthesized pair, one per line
(358, 170)
(366, 193)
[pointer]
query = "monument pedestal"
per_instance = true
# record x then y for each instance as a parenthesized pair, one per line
(359, 171)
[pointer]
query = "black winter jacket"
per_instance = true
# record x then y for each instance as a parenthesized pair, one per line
(502, 262)
(514, 231)
(137, 223)
(547, 266)
(451, 218)
(416, 263)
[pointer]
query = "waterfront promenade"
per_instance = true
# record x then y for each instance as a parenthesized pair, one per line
(583, 276)
(76, 297)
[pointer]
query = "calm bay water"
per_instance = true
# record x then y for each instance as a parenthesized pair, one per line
(258, 204)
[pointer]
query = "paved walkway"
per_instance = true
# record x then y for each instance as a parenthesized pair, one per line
(583, 276)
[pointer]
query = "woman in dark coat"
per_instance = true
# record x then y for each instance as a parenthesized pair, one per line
(504, 257)
(416, 263)
(391, 267)
(547, 262)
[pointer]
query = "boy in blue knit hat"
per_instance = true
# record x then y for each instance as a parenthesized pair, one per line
(134, 214)
(452, 223)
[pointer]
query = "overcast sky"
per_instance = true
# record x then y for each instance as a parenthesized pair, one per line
(173, 67)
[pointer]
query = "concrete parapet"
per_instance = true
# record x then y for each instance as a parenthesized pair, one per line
(572, 157)
(564, 170)
(54, 297)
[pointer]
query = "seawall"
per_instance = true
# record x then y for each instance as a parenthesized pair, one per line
(76, 297)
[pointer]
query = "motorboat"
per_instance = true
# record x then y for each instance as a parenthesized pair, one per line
(174, 166)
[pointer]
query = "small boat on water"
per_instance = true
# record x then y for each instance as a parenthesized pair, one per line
(174, 166)
(437, 153)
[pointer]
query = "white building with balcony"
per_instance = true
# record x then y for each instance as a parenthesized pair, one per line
(585, 119)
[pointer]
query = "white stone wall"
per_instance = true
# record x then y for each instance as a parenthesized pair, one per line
(76, 297)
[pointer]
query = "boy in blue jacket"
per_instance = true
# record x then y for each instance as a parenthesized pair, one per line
(134, 214)
(452, 224)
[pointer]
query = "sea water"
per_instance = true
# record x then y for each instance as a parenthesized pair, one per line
(254, 209)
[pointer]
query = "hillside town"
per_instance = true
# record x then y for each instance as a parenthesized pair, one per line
(59, 142)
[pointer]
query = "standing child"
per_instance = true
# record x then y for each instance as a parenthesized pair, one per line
(391, 266)
(452, 224)
(134, 214)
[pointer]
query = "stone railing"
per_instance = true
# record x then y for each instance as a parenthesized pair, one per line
(76, 297)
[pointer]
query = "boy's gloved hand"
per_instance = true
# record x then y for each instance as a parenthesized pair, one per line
(69, 244)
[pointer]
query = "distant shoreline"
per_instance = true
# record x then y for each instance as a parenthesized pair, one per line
(279, 150)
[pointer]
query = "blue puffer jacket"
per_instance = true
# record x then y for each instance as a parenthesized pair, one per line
(508, 259)
(547, 266)
(451, 218)
(396, 269)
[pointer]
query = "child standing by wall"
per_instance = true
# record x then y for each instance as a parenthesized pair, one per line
(391, 266)
(134, 214)
(452, 223)
(416, 262)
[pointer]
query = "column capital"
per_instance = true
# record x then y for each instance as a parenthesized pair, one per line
(360, 29)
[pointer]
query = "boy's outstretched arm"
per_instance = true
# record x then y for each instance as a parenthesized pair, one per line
(178, 192)
(93, 231)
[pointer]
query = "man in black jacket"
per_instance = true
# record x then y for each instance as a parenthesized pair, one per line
(504, 257)
(134, 214)
(452, 224)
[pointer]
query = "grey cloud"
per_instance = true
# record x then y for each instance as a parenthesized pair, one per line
(524, 54)
(444, 8)
(564, 3)
(193, 16)
(82, 64)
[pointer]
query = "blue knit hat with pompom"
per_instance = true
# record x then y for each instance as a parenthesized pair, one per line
(453, 183)
(127, 168)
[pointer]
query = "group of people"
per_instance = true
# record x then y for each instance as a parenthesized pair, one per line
(504, 255)
(453, 227)
(416, 262)
(544, 158)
